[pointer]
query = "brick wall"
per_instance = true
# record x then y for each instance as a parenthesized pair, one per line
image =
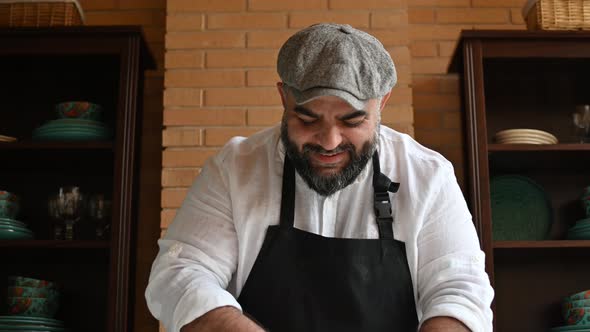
(220, 73)
(151, 15)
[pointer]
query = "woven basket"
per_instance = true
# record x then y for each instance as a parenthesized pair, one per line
(557, 14)
(46, 13)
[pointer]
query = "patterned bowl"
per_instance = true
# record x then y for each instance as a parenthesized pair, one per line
(582, 295)
(79, 110)
(9, 208)
(31, 306)
(20, 281)
(45, 293)
(577, 316)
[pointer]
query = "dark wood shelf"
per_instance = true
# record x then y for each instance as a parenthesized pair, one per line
(50, 244)
(541, 244)
(535, 147)
(30, 145)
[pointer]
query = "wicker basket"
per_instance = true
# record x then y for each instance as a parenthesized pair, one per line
(557, 14)
(45, 13)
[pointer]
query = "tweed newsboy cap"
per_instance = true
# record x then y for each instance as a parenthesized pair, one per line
(337, 60)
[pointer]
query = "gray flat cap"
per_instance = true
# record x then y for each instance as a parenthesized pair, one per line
(337, 60)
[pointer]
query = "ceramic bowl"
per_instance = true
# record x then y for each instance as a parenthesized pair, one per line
(9, 209)
(582, 295)
(79, 110)
(8, 196)
(31, 306)
(45, 293)
(20, 281)
(577, 316)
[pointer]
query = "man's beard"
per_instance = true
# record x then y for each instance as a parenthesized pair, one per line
(328, 185)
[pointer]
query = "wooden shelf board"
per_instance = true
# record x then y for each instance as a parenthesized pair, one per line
(29, 145)
(535, 147)
(47, 244)
(541, 244)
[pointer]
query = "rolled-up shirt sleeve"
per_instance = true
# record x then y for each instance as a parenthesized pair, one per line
(198, 254)
(451, 268)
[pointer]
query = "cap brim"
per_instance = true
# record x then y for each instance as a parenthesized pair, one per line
(302, 97)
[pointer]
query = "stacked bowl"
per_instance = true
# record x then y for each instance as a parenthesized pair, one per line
(10, 228)
(524, 136)
(77, 121)
(575, 310)
(31, 306)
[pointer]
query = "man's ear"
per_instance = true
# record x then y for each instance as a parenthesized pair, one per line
(384, 100)
(281, 89)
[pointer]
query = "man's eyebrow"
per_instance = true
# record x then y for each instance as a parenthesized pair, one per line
(353, 115)
(304, 111)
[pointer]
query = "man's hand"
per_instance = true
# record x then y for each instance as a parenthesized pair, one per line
(443, 324)
(222, 319)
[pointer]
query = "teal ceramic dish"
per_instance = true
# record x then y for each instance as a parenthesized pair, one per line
(12, 222)
(23, 320)
(13, 234)
(574, 328)
(581, 295)
(31, 306)
(521, 209)
(577, 316)
(21, 281)
(79, 110)
(8, 209)
(567, 305)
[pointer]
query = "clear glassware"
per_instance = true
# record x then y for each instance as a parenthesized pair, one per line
(581, 120)
(99, 210)
(66, 208)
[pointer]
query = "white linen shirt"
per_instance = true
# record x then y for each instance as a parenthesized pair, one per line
(211, 245)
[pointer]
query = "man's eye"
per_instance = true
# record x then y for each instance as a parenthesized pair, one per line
(354, 122)
(307, 120)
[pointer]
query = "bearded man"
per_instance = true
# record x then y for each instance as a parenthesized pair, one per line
(326, 222)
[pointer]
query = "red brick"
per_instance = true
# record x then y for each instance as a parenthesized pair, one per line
(166, 217)
(90, 5)
(206, 5)
(399, 37)
(437, 102)
(185, 59)
(427, 120)
(135, 17)
(439, 3)
(178, 177)
(205, 117)
(186, 157)
(400, 55)
(446, 48)
(268, 39)
(424, 49)
(181, 137)
(449, 84)
(401, 96)
(207, 39)
(262, 77)
(367, 4)
(420, 15)
(182, 97)
(264, 116)
(247, 21)
(187, 78)
(142, 4)
(393, 113)
(436, 32)
(173, 198)
(437, 65)
(452, 120)
(471, 15)
(220, 136)
(516, 16)
(287, 5)
(438, 138)
(498, 3)
(241, 58)
(242, 97)
(184, 22)
(389, 20)
(307, 18)
(406, 128)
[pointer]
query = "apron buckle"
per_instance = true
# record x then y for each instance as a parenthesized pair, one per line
(382, 208)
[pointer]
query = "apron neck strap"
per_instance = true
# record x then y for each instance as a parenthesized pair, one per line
(382, 185)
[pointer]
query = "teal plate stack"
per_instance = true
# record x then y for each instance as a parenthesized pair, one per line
(571, 328)
(30, 324)
(11, 229)
(521, 210)
(72, 130)
(580, 231)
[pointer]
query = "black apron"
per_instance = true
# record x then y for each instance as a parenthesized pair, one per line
(305, 282)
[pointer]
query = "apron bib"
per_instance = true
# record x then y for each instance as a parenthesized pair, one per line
(305, 282)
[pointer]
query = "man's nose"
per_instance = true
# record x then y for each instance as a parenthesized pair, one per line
(330, 137)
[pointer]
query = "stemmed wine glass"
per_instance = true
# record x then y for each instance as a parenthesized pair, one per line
(66, 207)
